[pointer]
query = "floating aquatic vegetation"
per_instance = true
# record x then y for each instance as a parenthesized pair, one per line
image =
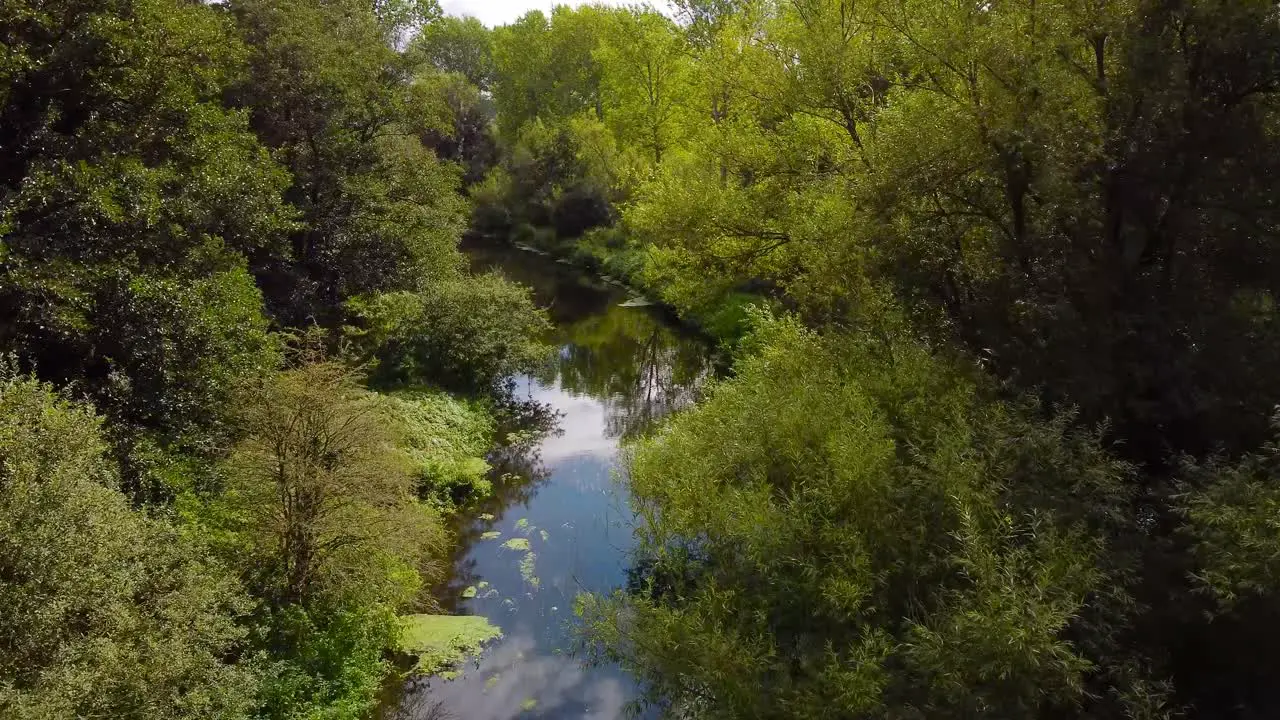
(487, 517)
(545, 535)
(520, 544)
(529, 705)
(527, 570)
(490, 535)
(470, 592)
(523, 525)
(442, 641)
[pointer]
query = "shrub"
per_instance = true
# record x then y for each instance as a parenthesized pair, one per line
(104, 612)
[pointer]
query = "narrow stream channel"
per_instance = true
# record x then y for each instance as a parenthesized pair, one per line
(561, 524)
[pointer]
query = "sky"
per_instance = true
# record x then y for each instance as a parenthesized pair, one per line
(501, 12)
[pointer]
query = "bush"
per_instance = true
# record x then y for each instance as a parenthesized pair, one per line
(466, 334)
(852, 528)
(446, 439)
(104, 612)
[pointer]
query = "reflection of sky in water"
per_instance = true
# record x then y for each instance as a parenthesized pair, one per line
(515, 673)
(619, 368)
(582, 425)
(577, 527)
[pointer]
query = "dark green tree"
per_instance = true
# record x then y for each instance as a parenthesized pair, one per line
(128, 198)
(853, 528)
(329, 93)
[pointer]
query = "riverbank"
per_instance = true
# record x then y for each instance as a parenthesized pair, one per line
(558, 522)
(607, 254)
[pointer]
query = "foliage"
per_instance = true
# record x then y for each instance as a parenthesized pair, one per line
(319, 514)
(467, 334)
(457, 45)
(1231, 510)
(460, 128)
(317, 498)
(328, 661)
(446, 439)
(177, 181)
(849, 527)
(103, 610)
(1077, 197)
(125, 179)
(329, 95)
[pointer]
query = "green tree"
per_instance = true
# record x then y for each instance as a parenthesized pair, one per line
(457, 45)
(104, 611)
(644, 77)
(319, 514)
(329, 94)
(854, 528)
(124, 180)
(468, 334)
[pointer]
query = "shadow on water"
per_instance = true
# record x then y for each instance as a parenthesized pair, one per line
(559, 523)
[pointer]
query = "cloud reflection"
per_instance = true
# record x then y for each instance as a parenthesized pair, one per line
(504, 682)
(582, 425)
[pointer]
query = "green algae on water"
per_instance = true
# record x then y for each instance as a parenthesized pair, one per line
(442, 641)
(519, 544)
(527, 570)
(490, 535)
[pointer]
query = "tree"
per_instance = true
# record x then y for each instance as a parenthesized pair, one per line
(319, 514)
(467, 334)
(321, 498)
(644, 76)
(852, 527)
(124, 178)
(104, 611)
(460, 127)
(329, 94)
(457, 45)
(546, 67)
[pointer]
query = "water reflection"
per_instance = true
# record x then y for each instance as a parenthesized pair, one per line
(514, 679)
(639, 369)
(559, 523)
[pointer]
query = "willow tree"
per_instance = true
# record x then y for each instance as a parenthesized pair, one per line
(854, 528)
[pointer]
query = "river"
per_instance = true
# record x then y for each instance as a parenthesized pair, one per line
(559, 524)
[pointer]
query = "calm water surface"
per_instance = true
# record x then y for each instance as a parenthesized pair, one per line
(618, 370)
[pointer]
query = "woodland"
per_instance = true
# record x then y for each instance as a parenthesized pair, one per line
(996, 432)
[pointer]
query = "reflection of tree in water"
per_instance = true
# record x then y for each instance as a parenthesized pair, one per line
(516, 472)
(638, 367)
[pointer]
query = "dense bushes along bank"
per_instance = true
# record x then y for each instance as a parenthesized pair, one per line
(232, 312)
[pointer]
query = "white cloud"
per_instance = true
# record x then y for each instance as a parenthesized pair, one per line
(502, 12)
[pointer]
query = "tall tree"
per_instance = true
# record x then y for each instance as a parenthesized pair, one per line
(125, 178)
(645, 76)
(457, 45)
(329, 93)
